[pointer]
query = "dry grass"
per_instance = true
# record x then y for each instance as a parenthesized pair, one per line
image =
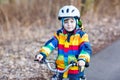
(17, 20)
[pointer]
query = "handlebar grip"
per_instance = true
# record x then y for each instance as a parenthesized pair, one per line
(86, 64)
(36, 60)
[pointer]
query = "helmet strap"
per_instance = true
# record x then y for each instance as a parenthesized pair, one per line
(62, 22)
(77, 26)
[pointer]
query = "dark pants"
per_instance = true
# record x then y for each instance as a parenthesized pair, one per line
(73, 77)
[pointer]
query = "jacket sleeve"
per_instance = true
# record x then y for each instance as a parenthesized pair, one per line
(49, 46)
(85, 48)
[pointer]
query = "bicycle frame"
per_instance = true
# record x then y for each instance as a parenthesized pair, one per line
(56, 71)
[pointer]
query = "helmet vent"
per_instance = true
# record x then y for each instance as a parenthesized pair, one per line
(62, 11)
(67, 10)
(73, 10)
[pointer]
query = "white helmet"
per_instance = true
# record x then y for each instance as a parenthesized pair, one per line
(68, 11)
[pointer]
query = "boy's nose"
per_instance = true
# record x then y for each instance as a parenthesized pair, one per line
(69, 23)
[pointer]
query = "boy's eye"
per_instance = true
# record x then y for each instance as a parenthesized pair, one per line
(65, 21)
(71, 21)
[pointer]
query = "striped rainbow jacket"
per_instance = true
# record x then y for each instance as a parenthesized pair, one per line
(77, 47)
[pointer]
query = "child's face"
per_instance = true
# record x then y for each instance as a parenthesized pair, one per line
(69, 24)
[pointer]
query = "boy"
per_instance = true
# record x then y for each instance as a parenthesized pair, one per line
(72, 43)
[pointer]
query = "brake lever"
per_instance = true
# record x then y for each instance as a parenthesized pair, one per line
(86, 64)
(42, 61)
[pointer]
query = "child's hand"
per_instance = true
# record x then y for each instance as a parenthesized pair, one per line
(39, 57)
(81, 63)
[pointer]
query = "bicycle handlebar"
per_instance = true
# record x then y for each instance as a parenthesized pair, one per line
(56, 70)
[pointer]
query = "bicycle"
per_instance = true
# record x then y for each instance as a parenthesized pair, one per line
(57, 72)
